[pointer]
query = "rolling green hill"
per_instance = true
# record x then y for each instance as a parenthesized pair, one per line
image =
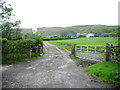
(96, 29)
(26, 31)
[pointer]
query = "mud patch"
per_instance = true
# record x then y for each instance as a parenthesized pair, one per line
(85, 63)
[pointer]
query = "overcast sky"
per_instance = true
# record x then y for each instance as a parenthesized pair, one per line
(64, 13)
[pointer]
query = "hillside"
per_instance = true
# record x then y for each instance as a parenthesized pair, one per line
(26, 31)
(96, 29)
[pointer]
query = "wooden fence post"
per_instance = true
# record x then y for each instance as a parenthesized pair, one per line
(107, 52)
(95, 49)
(30, 53)
(87, 48)
(73, 50)
(42, 49)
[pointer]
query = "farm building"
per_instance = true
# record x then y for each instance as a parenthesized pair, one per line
(87, 35)
(52, 36)
(78, 34)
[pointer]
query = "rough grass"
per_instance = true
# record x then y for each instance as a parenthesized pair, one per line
(74, 57)
(67, 44)
(56, 56)
(107, 71)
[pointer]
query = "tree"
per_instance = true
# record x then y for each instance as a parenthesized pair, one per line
(64, 34)
(118, 33)
(10, 30)
(73, 32)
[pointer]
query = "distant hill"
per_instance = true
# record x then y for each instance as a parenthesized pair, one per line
(26, 31)
(96, 29)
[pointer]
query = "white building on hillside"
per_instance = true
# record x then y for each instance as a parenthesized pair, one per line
(89, 35)
(34, 30)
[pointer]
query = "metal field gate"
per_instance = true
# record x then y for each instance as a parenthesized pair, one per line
(108, 52)
(89, 52)
(90, 48)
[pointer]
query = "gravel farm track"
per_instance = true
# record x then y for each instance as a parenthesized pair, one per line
(54, 70)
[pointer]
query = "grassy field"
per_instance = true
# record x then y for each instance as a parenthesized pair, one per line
(105, 72)
(67, 44)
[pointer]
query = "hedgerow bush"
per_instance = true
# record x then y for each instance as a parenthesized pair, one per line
(39, 40)
(49, 39)
(13, 51)
(4, 39)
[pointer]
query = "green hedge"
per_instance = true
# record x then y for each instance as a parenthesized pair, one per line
(13, 51)
(49, 39)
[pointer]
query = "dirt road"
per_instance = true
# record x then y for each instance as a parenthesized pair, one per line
(54, 70)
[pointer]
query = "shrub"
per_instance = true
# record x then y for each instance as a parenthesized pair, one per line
(13, 51)
(4, 39)
(39, 40)
(62, 38)
(81, 36)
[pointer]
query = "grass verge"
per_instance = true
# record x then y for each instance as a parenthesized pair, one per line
(106, 71)
(74, 57)
(56, 56)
